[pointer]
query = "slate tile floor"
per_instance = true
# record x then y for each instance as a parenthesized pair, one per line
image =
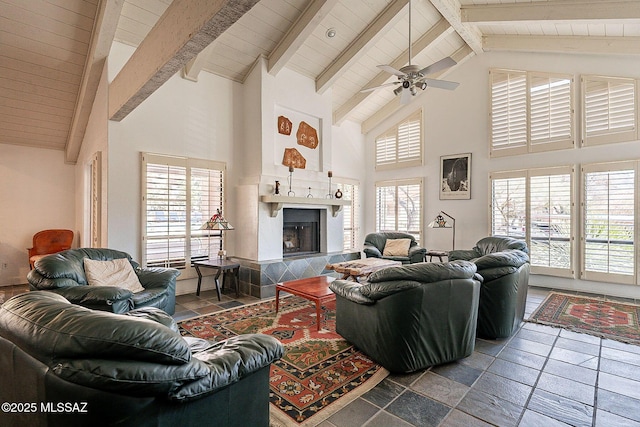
(539, 377)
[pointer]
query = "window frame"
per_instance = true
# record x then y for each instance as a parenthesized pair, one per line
(527, 174)
(417, 232)
(211, 238)
(392, 136)
(354, 223)
(527, 145)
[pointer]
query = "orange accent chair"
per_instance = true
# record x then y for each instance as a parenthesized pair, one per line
(48, 242)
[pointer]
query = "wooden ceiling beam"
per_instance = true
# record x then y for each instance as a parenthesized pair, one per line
(559, 10)
(183, 31)
(564, 44)
(298, 33)
(441, 29)
(359, 47)
(104, 30)
(450, 10)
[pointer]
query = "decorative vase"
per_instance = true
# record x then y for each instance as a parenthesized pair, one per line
(338, 194)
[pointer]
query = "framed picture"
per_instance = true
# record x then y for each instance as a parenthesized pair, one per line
(455, 177)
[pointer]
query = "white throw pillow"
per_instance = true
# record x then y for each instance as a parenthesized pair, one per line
(117, 272)
(396, 247)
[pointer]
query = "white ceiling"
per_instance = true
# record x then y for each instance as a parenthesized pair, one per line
(52, 51)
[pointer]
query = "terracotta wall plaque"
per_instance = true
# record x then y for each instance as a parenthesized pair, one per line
(307, 135)
(284, 125)
(292, 157)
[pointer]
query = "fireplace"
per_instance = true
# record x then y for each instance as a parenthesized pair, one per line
(300, 231)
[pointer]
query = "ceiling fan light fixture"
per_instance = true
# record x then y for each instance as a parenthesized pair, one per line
(413, 90)
(397, 90)
(422, 85)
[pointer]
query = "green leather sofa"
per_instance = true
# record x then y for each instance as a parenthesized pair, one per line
(503, 262)
(374, 247)
(413, 316)
(63, 273)
(65, 365)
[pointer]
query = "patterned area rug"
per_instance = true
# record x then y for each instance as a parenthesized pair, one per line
(603, 318)
(319, 373)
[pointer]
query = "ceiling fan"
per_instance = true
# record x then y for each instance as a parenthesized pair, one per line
(412, 76)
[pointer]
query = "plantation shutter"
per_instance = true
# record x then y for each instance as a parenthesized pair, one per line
(399, 207)
(351, 215)
(609, 110)
(550, 213)
(179, 196)
(508, 111)
(508, 205)
(551, 111)
(609, 201)
(401, 146)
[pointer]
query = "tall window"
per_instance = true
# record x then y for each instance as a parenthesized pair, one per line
(399, 207)
(609, 110)
(401, 146)
(609, 218)
(180, 194)
(530, 112)
(537, 206)
(351, 215)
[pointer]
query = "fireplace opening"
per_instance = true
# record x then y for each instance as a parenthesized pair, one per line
(300, 231)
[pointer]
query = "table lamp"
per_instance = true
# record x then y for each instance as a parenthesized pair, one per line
(217, 222)
(440, 222)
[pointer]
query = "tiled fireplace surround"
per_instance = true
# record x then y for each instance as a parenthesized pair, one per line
(258, 278)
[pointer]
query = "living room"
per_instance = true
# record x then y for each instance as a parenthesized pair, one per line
(223, 120)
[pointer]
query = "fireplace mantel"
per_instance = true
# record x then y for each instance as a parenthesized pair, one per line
(278, 202)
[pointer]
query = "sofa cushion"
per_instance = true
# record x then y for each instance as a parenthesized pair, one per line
(115, 272)
(396, 247)
(48, 326)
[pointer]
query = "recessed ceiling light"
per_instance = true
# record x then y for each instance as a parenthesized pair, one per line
(331, 33)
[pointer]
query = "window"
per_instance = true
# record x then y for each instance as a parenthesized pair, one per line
(530, 112)
(608, 235)
(609, 110)
(179, 196)
(401, 146)
(399, 207)
(351, 215)
(537, 206)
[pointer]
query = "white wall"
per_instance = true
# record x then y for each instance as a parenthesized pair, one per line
(457, 122)
(36, 193)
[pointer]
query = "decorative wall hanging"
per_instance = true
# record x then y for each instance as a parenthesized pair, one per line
(292, 157)
(284, 125)
(455, 177)
(307, 135)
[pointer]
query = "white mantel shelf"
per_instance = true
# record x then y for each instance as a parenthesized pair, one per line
(278, 202)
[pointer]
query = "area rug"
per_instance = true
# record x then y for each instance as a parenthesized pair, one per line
(601, 317)
(319, 373)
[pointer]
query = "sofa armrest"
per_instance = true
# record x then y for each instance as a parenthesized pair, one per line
(155, 314)
(94, 295)
(417, 254)
(463, 254)
(510, 258)
(157, 277)
(371, 251)
(230, 361)
(351, 291)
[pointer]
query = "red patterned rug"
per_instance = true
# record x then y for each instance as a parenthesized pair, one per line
(605, 318)
(319, 373)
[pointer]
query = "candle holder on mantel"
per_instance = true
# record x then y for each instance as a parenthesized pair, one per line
(330, 194)
(291, 193)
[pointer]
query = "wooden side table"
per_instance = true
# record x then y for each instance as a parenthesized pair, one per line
(438, 254)
(222, 266)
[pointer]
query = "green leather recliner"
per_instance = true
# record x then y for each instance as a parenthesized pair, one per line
(63, 273)
(503, 262)
(410, 317)
(374, 247)
(83, 367)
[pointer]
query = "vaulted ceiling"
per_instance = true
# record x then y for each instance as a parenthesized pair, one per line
(52, 51)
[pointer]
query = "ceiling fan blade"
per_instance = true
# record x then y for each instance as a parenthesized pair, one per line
(437, 66)
(389, 69)
(369, 89)
(405, 96)
(441, 84)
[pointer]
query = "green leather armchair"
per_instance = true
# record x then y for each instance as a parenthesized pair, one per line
(503, 262)
(374, 244)
(94, 368)
(409, 317)
(63, 273)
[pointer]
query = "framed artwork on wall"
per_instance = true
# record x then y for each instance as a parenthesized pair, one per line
(455, 177)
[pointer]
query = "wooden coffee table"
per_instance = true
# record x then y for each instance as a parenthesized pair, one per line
(361, 268)
(314, 289)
